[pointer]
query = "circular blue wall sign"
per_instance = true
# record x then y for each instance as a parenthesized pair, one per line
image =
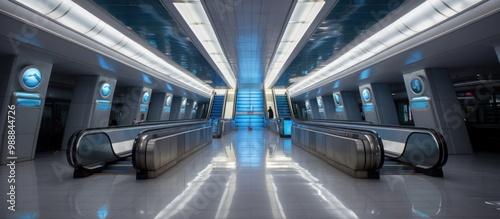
(367, 95)
(32, 77)
(417, 86)
(145, 97)
(105, 90)
(337, 98)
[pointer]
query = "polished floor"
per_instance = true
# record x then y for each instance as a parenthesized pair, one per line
(255, 174)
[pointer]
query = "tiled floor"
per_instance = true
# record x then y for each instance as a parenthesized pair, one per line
(254, 174)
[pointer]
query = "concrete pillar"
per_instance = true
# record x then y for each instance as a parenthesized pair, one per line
(90, 104)
(346, 106)
(434, 104)
(378, 105)
(23, 88)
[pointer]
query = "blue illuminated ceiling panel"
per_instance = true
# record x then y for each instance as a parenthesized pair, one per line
(347, 20)
(150, 20)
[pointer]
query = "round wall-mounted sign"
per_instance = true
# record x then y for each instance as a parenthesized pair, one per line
(31, 77)
(320, 102)
(366, 94)
(417, 85)
(336, 97)
(145, 97)
(105, 90)
(168, 101)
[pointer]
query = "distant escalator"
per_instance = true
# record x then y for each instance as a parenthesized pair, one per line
(249, 108)
(217, 107)
(283, 108)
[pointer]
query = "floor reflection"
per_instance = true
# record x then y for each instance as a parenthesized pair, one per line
(255, 174)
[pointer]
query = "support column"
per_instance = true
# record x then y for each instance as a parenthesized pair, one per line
(346, 106)
(90, 104)
(190, 105)
(329, 107)
(321, 107)
(378, 105)
(178, 108)
(309, 110)
(136, 105)
(159, 108)
(434, 104)
(23, 88)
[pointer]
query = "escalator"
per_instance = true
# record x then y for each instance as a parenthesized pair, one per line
(249, 108)
(283, 108)
(415, 149)
(109, 149)
(217, 106)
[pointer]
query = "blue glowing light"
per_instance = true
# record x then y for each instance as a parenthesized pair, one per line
(145, 97)
(366, 94)
(146, 79)
(28, 102)
(103, 105)
(104, 64)
(102, 212)
(417, 86)
(105, 90)
(27, 216)
(287, 127)
(420, 104)
(169, 87)
(421, 214)
(414, 57)
(250, 67)
(336, 97)
(287, 146)
(336, 84)
(368, 107)
(32, 77)
(144, 108)
(365, 74)
(339, 109)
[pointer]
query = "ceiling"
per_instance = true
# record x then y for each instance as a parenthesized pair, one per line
(249, 32)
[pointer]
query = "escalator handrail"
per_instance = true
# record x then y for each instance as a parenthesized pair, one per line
(139, 149)
(355, 133)
(438, 138)
(73, 144)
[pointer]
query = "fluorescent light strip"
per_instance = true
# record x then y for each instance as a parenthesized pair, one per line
(195, 16)
(303, 15)
(416, 21)
(71, 15)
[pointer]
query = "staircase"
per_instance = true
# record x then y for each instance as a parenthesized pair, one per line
(249, 108)
(217, 107)
(283, 108)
